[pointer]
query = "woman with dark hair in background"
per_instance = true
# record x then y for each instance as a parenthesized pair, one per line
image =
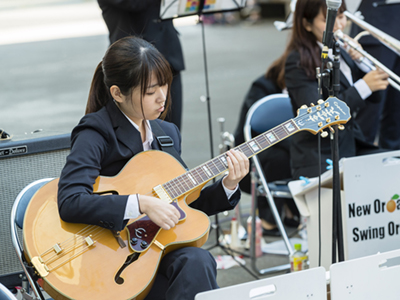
(303, 56)
(129, 92)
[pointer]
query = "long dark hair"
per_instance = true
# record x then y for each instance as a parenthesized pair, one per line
(276, 72)
(128, 63)
(302, 40)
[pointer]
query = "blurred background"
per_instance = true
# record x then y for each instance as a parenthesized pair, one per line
(50, 48)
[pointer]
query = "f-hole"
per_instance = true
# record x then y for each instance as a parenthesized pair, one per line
(130, 259)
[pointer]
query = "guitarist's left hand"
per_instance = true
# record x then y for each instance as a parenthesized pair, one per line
(238, 167)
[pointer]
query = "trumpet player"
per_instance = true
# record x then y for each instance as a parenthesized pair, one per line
(356, 88)
(381, 119)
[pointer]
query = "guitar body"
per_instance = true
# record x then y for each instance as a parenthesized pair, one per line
(85, 271)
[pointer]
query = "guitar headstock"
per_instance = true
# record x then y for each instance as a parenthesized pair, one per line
(326, 113)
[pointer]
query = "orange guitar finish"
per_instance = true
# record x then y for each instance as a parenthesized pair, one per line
(85, 272)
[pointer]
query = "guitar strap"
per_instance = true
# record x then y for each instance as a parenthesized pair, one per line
(165, 142)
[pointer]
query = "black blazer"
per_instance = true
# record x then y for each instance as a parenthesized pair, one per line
(303, 90)
(102, 143)
(141, 18)
(383, 18)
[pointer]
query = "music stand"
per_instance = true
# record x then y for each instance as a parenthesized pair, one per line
(173, 9)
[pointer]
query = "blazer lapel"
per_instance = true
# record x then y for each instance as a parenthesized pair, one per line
(124, 130)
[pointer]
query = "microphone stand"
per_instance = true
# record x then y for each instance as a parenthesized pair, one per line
(331, 80)
(216, 225)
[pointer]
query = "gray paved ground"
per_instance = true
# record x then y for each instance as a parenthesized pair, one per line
(49, 52)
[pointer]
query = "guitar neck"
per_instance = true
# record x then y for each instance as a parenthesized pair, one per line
(194, 178)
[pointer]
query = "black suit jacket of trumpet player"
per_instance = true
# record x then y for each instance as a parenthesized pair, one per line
(381, 120)
(304, 145)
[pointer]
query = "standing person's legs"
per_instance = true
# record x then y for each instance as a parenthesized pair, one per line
(175, 114)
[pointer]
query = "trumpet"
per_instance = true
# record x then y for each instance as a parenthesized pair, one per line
(393, 79)
(384, 38)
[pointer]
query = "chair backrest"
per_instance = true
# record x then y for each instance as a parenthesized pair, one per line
(22, 200)
(267, 113)
(5, 294)
(17, 220)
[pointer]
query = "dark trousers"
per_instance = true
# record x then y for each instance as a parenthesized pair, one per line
(276, 166)
(184, 273)
(175, 113)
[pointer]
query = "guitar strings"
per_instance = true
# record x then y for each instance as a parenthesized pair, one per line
(77, 240)
(184, 182)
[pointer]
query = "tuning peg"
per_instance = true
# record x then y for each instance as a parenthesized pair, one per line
(303, 106)
(331, 129)
(312, 104)
(324, 134)
(320, 101)
(341, 127)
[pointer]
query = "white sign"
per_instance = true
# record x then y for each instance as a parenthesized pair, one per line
(372, 203)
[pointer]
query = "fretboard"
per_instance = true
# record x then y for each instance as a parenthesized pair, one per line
(218, 165)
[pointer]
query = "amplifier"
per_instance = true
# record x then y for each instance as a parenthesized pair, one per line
(24, 159)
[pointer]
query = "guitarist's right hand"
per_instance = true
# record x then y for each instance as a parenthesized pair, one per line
(163, 214)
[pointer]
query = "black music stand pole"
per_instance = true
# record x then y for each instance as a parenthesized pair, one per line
(216, 226)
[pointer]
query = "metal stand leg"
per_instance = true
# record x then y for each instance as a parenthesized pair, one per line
(258, 170)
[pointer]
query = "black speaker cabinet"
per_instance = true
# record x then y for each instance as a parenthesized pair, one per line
(24, 159)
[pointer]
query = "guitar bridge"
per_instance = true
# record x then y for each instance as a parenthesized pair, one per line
(162, 194)
(40, 266)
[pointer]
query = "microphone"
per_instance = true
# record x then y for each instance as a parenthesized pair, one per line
(327, 39)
